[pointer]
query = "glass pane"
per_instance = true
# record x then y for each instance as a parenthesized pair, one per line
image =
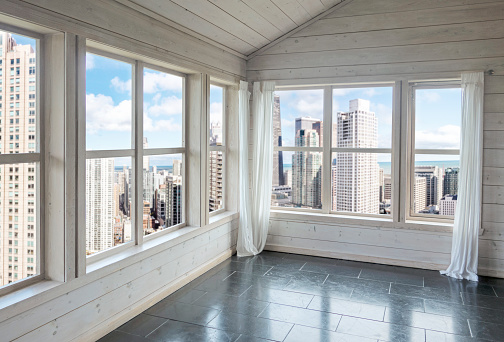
(108, 103)
(216, 185)
(216, 116)
(19, 240)
(108, 203)
(438, 115)
(295, 111)
(18, 219)
(362, 117)
(163, 105)
(361, 182)
(303, 180)
(162, 192)
(435, 185)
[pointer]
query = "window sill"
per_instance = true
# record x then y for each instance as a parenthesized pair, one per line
(156, 244)
(348, 220)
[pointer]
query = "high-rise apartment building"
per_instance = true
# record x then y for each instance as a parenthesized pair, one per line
(216, 169)
(450, 181)
(307, 166)
(419, 194)
(278, 172)
(448, 205)
(357, 185)
(434, 182)
(99, 204)
(18, 233)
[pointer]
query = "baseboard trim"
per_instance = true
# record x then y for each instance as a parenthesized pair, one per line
(117, 320)
(355, 257)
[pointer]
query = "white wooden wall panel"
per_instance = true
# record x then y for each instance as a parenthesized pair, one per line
(131, 287)
(101, 20)
(391, 39)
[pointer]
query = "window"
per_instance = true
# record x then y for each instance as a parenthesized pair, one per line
(115, 210)
(217, 149)
(16, 168)
(298, 143)
(435, 142)
(109, 177)
(163, 164)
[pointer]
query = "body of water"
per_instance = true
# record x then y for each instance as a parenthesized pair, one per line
(387, 166)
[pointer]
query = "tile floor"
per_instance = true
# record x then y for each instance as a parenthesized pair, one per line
(288, 297)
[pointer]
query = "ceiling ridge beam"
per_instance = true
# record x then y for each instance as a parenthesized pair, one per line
(339, 5)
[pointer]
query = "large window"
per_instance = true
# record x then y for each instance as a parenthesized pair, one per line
(20, 160)
(135, 150)
(332, 149)
(217, 149)
(435, 143)
(343, 149)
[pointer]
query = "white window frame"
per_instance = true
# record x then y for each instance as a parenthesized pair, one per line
(32, 157)
(412, 151)
(136, 152)
(221, 148)
(327, 149)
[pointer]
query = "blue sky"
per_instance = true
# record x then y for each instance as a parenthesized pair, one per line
(108, 107)
(438, 115)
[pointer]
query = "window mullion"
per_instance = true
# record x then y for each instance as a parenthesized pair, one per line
(397, 135)
(326, 154)
(137, 140)
(406, 140)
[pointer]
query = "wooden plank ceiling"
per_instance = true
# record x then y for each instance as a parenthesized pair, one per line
(240, 26)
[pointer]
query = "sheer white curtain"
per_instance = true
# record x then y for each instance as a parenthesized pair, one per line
(255, 201)
(464, 255)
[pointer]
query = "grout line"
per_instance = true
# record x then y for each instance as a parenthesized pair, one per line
(303, 266)
(358, 277)
(167, 320)
(263, 309)
(325, 279)
(493, 288)
(390, 288)
(311, 300)
(470, 330)
(293, 325)
(462, 297)
(229, 275)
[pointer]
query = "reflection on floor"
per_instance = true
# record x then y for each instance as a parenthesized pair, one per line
(287, 297)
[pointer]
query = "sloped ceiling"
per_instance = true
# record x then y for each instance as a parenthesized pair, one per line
(239, 26)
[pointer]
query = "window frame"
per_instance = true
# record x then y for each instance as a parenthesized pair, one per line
(222, 148)
(327, 149)
(136, 153)
(410, 215)
(38, 157)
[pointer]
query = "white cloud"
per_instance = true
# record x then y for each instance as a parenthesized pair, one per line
(165, 106)
(216, 112)
(287, 123)
(383, 113)
(168, 125)
(103, 114)
(121, 86)
(155, 82)
(90, 62)
(447, 136)
(370, 92)
(428, 96)
(341, 91)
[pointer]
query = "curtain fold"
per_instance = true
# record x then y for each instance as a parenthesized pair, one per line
(255, 200)
(464, 254)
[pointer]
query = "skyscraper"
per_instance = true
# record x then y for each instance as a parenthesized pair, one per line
(419, 194)
(307, 166)
(99, 204)
(278, 173)
(450, 182)
(357, 173)
(18, 231)
(448, 205)
(216, 169)
(434, 182)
